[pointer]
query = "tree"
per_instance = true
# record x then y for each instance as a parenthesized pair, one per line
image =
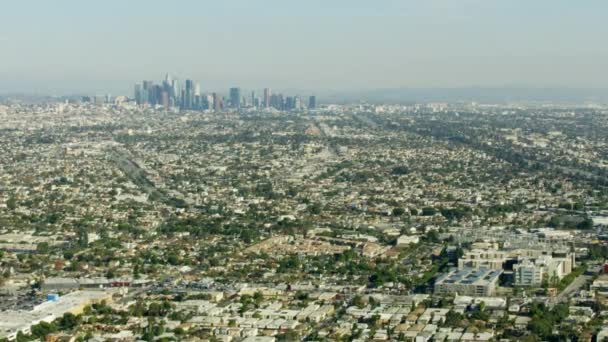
(543, 320)
(110, 274)
(585, 224)
(400, 170)
(289, 335)
(456, 213)
(43, 247)
(358, 301)
(172, 259)
(398, 211)
(138, 309)
(382, 276)
(375, 321)
(540, 326)
(429, 211)
(136, 271)
(479, 313)
(68, 321)
(315, 208)
(432, 236)
(21, 337)
(11, 203)
(554, 222)
(68, 255)
(42, 329)
(83, 237)
(453, 318)
(258, 297)
(301, 295)
(373, 302)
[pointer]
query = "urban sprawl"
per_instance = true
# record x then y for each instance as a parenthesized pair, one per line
(177, 215)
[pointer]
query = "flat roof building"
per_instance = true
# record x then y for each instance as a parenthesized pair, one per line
(468, 282)
(14, 321)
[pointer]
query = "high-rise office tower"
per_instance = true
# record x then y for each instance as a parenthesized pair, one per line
(289, 103)
(267, 95)
(312, 102)
(167, 84)
(273, 101)
(176, 90)
(277, 101)
(168, 88)
(137, 94)
(235, 98)
(207, 102)
(164, 99)
(147, 92)
(297, 103)
(217, 102)
(158, 91)
(189, 94)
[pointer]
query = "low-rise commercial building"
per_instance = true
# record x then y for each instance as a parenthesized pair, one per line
(469, 282)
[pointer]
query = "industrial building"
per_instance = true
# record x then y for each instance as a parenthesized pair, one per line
(64, 284)
(14, 321)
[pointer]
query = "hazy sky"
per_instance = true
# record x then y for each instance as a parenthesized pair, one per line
(63, 46)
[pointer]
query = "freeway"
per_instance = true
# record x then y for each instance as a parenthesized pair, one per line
(137, 175)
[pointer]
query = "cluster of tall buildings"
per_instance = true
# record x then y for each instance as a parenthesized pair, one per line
(170, 93)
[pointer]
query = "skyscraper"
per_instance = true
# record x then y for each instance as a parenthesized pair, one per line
(164, 99)
(217, 102)
(277, 101)
(297, 103)
(176, 91)
(188, 95)
(195, 101)
(267, 94)
(167, 84)
(137, 94)
(312, 102)
(235, 98)
(289, 103)
(156, 95)
(147, 92)
(207, 102)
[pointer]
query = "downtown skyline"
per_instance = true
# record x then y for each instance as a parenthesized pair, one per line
(188, 95)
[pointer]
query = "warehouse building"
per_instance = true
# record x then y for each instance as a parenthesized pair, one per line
(14, 321)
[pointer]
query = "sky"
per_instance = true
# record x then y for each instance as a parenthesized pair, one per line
(77, 46)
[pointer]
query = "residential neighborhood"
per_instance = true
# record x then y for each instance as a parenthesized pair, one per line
(359, 222)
